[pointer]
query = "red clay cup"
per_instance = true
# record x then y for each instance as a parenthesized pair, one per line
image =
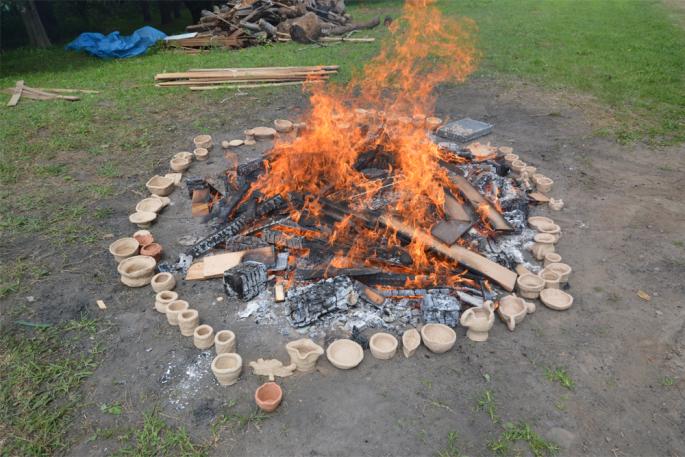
(268, 396)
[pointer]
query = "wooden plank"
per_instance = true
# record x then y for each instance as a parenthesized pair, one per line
(476, 199)
(196, 271)
(539, 197)
(455, 210)
(450, 231)
(243, 86)
(18, 89)
(256, 69)
(67, 91)
(246, 75)
(214, 266)
(209, 82)
(71, 98)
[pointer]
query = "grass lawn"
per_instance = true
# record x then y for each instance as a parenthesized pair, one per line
(62, 164)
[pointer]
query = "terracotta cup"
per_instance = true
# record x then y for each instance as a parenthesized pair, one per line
(268, 396)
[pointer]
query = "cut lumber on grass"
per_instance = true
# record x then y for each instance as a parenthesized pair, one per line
(24, 91)
(18, 89)
(247, 86)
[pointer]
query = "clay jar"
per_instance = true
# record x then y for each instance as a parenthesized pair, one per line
(529, 285)
(438, 338)
(163, 299)
(563, 270)
(123, 248)
(383, 345)
(551, 278)
(159, 185)
(224, 342)
(551, 257)
(201, 153)
(517, 166)
(227, 368)
(478, 321)
(411, 340)
(304, 353)
(137, 271)
(203, 141)
(552, 229)
(173, 309)
(544, 184)
(513, 309)
(153, 250)
(268, 396)
(163, 281)
(344, 354)
(203, 337)
(544, 244)
(188, 321)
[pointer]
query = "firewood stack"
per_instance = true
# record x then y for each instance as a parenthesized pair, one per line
(242, 23)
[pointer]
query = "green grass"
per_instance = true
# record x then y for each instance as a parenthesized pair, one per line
(155, 438)
(486, 404)
(41, 370)
(452, 448)
(561, 376)
(520, 431)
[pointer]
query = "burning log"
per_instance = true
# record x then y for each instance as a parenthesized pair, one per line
(317, 273)
(281, 239)
(309, 303)
(245, 281)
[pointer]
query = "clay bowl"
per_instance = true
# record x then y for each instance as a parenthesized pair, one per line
(163, 299)
(551, 278)
(268, 396)
(518, 166)
(179, 165)
(159, 185)
(411, 340)
(283, 125)
(201, 153)
(142, 219)
(544, 184)
(344, 354)
(383, 345)
(552, 229)
(144, 237)
(530, 285)
(544, 238)
(203, 141)
(263, 133)
(153, 250)
(162, 282)
(509, 158)
(150, 205)
(136, 271)
(556, 299)
(535, 221)
(124, 248)
(563, 269)
(506, 150)
(551, 257)
(227, 368)
(433, 123)
(438, 338)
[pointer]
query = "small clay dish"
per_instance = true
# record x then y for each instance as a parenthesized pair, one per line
(143, 219)
(529, 286)
(263, 133)
(235, 143)
(563, 269)
(268, 396)
(124, 248)
(383, 345)
(344, 354)
(535, 221)
(153, 250)
(179, 165)
(411, 340)
(201, 153)
(283, 125)
(203, 141)
(160, 185)
(438, 338)
(556, 299)
(150, 205)
(138, 266)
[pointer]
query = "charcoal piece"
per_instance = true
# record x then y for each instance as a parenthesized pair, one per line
(465, 129)
(308, 304)
(281, 261)
(251, 167)
(450, 231)
(246, 280)
(359, 338)
(440, 308)
(243, 243)
(235, 226)
(283, 239)
(195, 183)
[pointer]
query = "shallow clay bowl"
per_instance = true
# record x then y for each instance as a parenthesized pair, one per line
(201, 153)
(344, 354)
(383, 345)
(438, 338)
(123, 248)
(150, 205)
(160, 185)
(203, 141)
(179, 165)
(411, 339)
(563, 269)
(142, 219)
(263, 133)
(283, 125)
(536, 221)
(137, 266)
(556, 299)
(184, 155)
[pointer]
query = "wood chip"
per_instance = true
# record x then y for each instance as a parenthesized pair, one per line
(101, 304)
(279, 292)
(18, 90)
(644, 295)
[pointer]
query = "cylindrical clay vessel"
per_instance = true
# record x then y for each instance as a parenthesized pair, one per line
(174, 309)
(226, 368)
(163, 299)
(203, 337)
(187, 321)
(224, 342)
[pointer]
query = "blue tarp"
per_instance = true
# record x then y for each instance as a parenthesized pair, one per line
(116, 46)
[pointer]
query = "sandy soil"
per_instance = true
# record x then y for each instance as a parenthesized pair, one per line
(622, 231)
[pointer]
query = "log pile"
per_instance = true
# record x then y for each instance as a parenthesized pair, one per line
(243, 23)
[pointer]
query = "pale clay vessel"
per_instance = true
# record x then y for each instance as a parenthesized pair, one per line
(163, 281)
(344, 354)
(551, 229)
(163, 299)
(201, 154)
(563, 269)
(160, 185)
(544, 244)
(438, 338)
(478, 321)
(535, 221)
(551, 257)
(530, 285)
(556, 204)
(224, 342)
(272, 368)
(173, 309)
(123, 248)
(188, 321)
(227, 367)
(137, 271)
(179, 165)
(143, 219)
(203, 337)
(383, 345)
(556, 299)
(203, 141)
(304, 353)
(411, 340)
(551, 278)
(513, 309)
(150, 204)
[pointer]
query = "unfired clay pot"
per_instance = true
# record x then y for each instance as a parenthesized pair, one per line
(185, 155)
(142, 219)
(188, 321)
(551, 257)
(383, 345)
(552, 229)
(227, 367)
(535, 221)
(438, 338)
(556, 205)
(224, 342)
(506, 150)
(283, 125)
(344, 354)
(203, 337)
(531, 170)
(159, 185)
(529, 286)
(563, 269)
(153, 250)
(137, 271)
(551, 278)
(144, 237)
(151, 205)
(203, 141)
(201, 153)
(173, 309)
(268, 396)
(518, 166)
(163, 299)
(123, 248)
(432, 123)
(513, 309)
(510, 158)
(411, 340)
(163, 281)
(179, 165)
(544, 244)
(478, 321)
(556, 299)
(304, 353)
(544, 184)
(263, 133)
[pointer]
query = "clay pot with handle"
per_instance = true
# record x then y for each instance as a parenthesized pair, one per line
(513, 309)
(478, 321)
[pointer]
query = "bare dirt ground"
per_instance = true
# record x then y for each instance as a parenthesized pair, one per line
(622, 231)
